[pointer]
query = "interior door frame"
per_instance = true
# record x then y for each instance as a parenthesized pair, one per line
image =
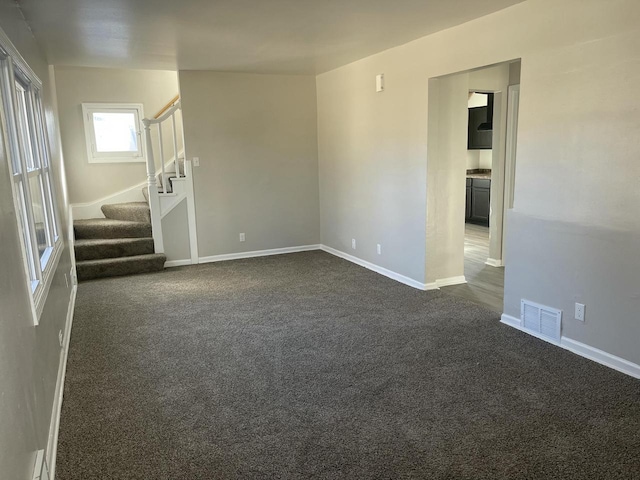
(513, 108)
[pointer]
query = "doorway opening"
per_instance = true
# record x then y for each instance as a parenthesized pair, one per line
(470, 172)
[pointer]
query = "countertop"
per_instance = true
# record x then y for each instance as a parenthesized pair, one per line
(479, 175)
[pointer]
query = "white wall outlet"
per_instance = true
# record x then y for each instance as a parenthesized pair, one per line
(580, 311)
(380, 83)
(242, 237)
(379, 249)
(196, 161)
(60, 337)
(353, 243)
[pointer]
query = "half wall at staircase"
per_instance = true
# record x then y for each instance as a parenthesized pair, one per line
(89, 182)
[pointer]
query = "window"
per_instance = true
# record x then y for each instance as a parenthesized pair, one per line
(23, 132)
(113, 132)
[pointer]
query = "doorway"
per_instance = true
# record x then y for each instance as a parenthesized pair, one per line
(471, 168)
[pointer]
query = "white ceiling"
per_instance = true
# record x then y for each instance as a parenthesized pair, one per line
(267, 36)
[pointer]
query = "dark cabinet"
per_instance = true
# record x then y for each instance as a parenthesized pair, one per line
(467, 208)
(478, 201)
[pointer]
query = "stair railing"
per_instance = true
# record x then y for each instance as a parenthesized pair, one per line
(154, 199)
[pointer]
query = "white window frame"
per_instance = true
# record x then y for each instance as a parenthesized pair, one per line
(93, 156)
(39, 267)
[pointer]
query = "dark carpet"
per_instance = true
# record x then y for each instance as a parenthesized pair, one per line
(306, 366)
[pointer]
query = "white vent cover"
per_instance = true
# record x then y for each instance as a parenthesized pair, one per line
(546, 322)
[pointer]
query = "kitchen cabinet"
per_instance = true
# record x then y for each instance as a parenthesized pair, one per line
(467, 209)
(478, 201)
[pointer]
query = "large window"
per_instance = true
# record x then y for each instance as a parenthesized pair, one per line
(24, 133)
(113, 132)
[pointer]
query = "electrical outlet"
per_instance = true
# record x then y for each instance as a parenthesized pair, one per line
(580, 311)
(60, 338)
(242, 238)
(353, 243)
(196, 161)
(379, 249)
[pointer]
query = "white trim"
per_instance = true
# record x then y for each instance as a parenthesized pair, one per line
(258, 253)
(376, 268)
(92, 209)
(494, 262)
(511, 321)
(71, 239)
(191, 211)
(40, 296)
(177, 263)
(582, 349)
(54, 426)
(601, 357)
(511, 146)
(93, 156)
(10, 48)
(447, 282)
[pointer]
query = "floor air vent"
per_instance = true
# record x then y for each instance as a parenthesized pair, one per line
(543, 321)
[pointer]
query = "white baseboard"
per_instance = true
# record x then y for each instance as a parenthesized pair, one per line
(258, 253)
(601, 357)
(376, 268)
(511, 321)
(582, 349)
(54, 426)
(494, 262)
(447, 282)
(177, 263)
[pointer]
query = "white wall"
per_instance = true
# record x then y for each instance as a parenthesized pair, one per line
(256, 137)
(88, 182)
(577, 167)
(29, 356)
(175, 233)
(446, 174)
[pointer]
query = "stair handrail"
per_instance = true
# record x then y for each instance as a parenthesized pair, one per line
(170, 111)
(169, 104)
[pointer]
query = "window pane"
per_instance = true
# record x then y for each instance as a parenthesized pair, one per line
(40, 126)
(6, 93)
(115, 132)
(39, 215)
(26, 233)
(51, 209)
(23, 126)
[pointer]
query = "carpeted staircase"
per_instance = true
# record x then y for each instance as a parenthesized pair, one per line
(120, 244)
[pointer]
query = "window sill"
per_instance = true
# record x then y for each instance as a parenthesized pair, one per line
(117, 160)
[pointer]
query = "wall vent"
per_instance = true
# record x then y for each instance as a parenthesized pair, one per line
(546, 322)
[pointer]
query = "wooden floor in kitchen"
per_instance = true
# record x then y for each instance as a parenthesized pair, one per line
(485, 284)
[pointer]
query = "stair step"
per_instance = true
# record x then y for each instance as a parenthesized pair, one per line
(95, 249)
(101, 228)
(131, 212)
(115, 267)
